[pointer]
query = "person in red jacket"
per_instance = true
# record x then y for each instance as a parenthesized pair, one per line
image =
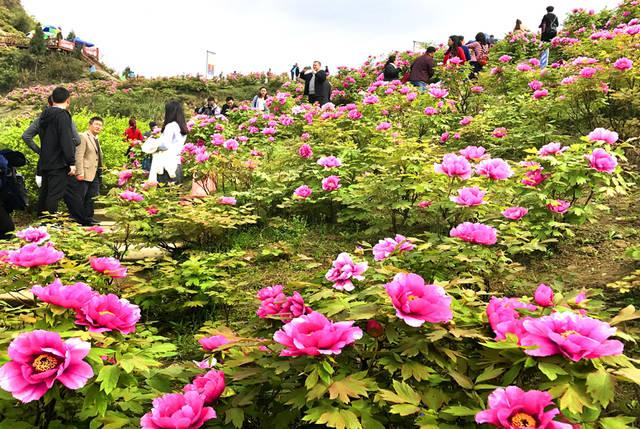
(133, 133)
(455, 50)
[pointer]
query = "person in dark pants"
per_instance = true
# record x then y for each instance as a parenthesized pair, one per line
(316, 85)
(85, 185)
(13, 194)
(57, 152)
(421, 73)
(549, 25)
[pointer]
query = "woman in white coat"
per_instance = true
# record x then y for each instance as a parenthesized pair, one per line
(166, 160)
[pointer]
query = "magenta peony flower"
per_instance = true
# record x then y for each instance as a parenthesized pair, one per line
(74, 296)
(569, 80)
(383, 126)
(430, 111)
(534, 177)
(108, 266)
(329, 162)
(305, 151)
(416, 303)
(473, 153)
(313, 334)
(504, 59)
(603, 135)
(623, 64)
(331, 183)
(370, 99)
(344, 270)
(455, 61)
(213, 342)
(466, 120)
(602, 161)
(389, 246)
(374, 328)
(104, 313)
(454, 166)
(513, 408)
(477, 89)
(499, 133)
(411, 96)
(231, 144)
(444, 137)
(175, 410)
(210, 386)
(124, 176)
(544, 295)
(425, 204)
(535, 85)
(551, 149)
(524, 67)
(275, 303)
(504, 317)
(574, 336)
(495, 169)
(152, 210)
(32, 255)
(38, 359)
(541, 93)
(269, 131)
(469, 197)
(34, 235)
(302, 192)
(96, 228)
(588, 72)
(227, 201)
(515, 213)
(559, 206)
(131, 196)
(438, 92)
(475, 233)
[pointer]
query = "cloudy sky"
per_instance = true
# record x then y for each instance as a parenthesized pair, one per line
(170, 38)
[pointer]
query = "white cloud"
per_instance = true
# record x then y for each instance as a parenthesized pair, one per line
(254, 35)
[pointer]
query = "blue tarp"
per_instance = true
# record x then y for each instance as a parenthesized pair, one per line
(79, 41)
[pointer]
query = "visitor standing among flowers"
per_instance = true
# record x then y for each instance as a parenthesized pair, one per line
(295, 72)
(455, 50)
(421, 73)
(133, 133)
(549, 25)
(166, 164)
(316, 85)
(390, 70)
(259, 102)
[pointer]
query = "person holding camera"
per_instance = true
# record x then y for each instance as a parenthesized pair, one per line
(316, 85)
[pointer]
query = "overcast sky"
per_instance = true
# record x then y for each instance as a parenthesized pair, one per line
(170, 38)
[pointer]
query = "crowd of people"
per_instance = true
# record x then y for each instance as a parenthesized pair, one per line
(70, 164)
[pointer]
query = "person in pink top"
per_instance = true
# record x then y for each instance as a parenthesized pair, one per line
(479, 49)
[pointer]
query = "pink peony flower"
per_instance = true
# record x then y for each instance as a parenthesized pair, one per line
(329, 162)
(74, 296)
(524, 67)
(210, 386)
(383, 126)
(430, 111)
(504, 317)
(227, 201)
(444, 137)
(475, 233)
(454, 166)
(38, 359)
(495, 169)
(34, 235)
(370, 99)
(515, 213)
(514, 408)
(544, 295)
(131, 196)
(477, 89)
(303, 192)
(213, 342)
(108, 266)
(389, 246)
(175, 410)
(344, 270)
(32, 255)
(570, 80)
(104, 313)
(552, 149)
(574, 336)
(305, 151)
(603, 135)
(275, 303)
(466, 120)
(623, 64)
(411, 96)
(504, 59)
(473, 153)
(313, 334)
(559, 206)
(469, 197)
(354, 114)
(269, 131)
(535, 85)
(231, 144)
(438, 92)
(455, 61)
(331, 183)
(425, 204)
(534, 177)
(588, 72)
(374, 328)
(152, 210)
(601, 160)
(416, 303)
(499, 133)
(541, 93)
(96, 228)
(149, 185)
(124, 176)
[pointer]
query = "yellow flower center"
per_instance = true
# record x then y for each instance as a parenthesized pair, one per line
(412, 297)
(45, 362)
(102, 313)
(565, 334)
(523, 420)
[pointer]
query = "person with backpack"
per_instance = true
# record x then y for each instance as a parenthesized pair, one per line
(390, 71)
(479, 49)
(465, 48)
(549, 25)
(13, 194)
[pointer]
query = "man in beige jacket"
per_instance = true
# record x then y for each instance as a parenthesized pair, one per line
(85, 185)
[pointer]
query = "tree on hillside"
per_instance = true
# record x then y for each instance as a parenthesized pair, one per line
(37, 45)
(71, 36)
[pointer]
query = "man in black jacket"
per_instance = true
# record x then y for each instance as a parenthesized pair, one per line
(549, 25)
(57, 152)
(316, 85)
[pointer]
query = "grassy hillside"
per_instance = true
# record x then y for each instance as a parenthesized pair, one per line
(13, 18)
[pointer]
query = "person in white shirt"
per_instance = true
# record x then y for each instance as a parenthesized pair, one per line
(165, 162)
(259, 102)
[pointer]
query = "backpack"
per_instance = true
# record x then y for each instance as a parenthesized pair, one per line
(483, 58)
